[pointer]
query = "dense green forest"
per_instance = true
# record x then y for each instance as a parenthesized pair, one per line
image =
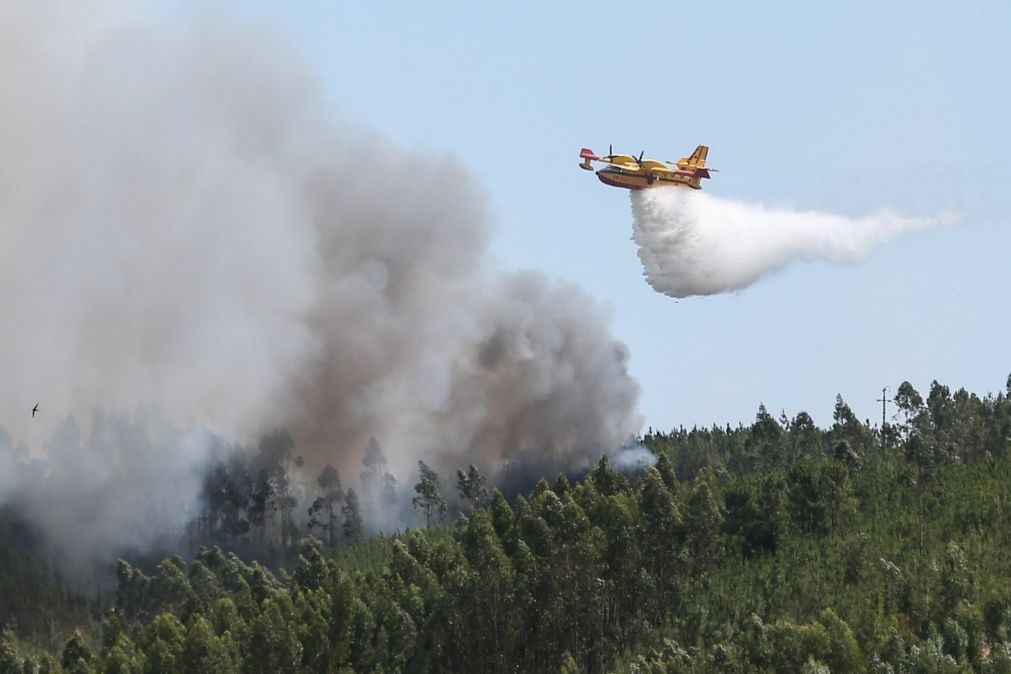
(773, 547)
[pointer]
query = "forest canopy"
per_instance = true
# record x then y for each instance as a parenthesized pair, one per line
(777, 546)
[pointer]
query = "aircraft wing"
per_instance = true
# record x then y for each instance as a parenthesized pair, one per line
(623, 164)
(653, 164)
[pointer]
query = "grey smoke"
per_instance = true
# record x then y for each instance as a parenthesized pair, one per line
(129, 483)
(184, 226)
(633, 458)
(693, 243)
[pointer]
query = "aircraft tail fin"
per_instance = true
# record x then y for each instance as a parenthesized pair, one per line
(698, 158)
(587, 155)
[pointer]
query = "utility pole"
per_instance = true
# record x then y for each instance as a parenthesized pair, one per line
(884, 402)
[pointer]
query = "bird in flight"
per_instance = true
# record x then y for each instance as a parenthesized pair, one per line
(34, 410)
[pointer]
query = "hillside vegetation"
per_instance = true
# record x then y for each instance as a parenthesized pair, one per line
(774, 547)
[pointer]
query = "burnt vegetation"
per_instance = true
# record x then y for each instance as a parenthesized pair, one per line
(773, 547)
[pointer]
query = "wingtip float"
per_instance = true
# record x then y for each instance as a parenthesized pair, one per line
(635, 173)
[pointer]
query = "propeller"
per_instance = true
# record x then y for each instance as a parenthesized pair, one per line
(650, 178)
(610, 152)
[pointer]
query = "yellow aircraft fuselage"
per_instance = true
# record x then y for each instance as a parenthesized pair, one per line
(615, 177)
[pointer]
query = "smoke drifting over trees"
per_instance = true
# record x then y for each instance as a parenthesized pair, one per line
(184, 227)
(692, 243)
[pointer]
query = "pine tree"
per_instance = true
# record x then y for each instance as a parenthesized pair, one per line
(353, 527)
(471, 486)
(327, 503)
(429, 499)
(375, 478)
(77, 657)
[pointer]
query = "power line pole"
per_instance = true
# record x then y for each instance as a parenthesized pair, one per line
(884, 402)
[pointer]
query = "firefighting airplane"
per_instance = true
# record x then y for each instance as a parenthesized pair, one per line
(636, 173)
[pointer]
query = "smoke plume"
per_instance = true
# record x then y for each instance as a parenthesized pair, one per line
(190, 240)
(692, 243)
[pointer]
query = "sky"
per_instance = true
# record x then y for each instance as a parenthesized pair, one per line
(847, 108)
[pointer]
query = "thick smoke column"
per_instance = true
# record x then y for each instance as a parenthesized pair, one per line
(692, 243)
(129, 483)
(185, 229)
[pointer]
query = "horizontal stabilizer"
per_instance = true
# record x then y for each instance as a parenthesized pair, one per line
(694, 172)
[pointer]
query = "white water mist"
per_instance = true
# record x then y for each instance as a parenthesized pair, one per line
(694, 243)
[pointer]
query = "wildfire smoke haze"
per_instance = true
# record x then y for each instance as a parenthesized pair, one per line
(186, 229)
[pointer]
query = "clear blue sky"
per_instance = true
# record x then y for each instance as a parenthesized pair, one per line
(846, 107)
